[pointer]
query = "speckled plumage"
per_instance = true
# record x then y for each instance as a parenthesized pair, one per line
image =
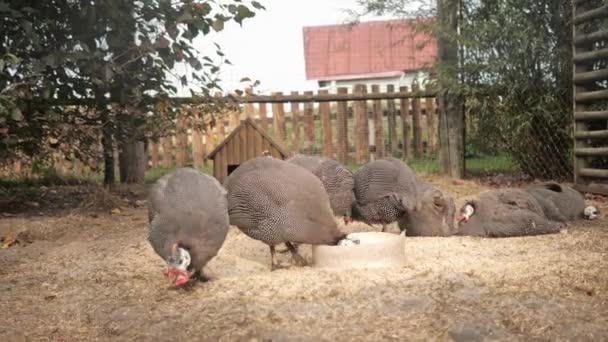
(436, 214)
(506, 212)
(559, 202)
(188, 208)
(278, 202)
(385, 189)
(337, 180)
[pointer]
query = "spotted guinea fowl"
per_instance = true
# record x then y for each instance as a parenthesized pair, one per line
(435, 216)
(385, 189)
(277, 202)
(561, 203)
(504, 213)
(188, 222)
(337, 180)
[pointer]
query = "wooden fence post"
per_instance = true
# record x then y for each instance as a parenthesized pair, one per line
(295, 125)
(155, 152)
(378, 124)
(249, 111)
(362, 136)
(278, 119)
(430, 126)
(392, 122)
(405, 124)
(342, 128)
(167, 143)
(197, 142)
(182, 141)
(324, 113)
(263, 116)
(416, 122)
(309, 124)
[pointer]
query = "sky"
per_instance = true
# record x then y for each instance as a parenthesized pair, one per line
(269, 47)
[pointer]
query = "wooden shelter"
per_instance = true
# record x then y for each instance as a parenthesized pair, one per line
(245, 142)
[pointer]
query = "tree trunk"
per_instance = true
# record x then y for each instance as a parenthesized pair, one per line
(133, 161)
(107, 140)
(451, 113)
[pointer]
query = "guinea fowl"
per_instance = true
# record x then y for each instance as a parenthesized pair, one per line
(504, 213)
(277, 202)
(385, 190)
(561, 203)
(337, 180)
(435, 217)
(188, 222)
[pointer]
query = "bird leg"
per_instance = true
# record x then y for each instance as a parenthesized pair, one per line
(272, 263)
(283, 251)
(383, 227)
(297, 258)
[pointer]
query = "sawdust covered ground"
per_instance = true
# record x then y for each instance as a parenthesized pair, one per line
(77, 276)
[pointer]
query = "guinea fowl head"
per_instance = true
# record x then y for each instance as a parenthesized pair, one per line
(466, 212)
(177, 265)
(590, 212)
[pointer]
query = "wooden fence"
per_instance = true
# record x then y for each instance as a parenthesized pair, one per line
(350, 127)
(590, 112)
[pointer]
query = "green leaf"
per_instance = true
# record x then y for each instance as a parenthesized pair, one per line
(16, 114)
(218, 25)
(257, 5)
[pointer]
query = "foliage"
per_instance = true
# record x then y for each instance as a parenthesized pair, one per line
(97, 53)
(515, 74)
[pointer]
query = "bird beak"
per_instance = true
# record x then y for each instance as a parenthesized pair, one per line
(176, 276)
(463, 218)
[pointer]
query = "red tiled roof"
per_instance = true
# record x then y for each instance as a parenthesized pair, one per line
(376, 47)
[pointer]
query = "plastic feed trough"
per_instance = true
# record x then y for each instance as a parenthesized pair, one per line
(375, 250)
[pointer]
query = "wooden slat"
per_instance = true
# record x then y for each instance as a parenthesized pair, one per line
(167, 143)
(405, 125)
(258, 144)
(155, 153)
(417, 125)
(591, 115)
(378, 124)
(324, 113)
(342, 128)
(295, 125)
(585, 39)
(591, 76)
(251, 142)
(597, 13)
(600, 134)
(392, 122)
(361, 127)
(593, 188)
(263, 116)
(430, 126)
(591, 152)
(591, 56)
(595, 173)
(278, 120)
(249, 110)
(309, 131)
(589, 96)
(242, 145)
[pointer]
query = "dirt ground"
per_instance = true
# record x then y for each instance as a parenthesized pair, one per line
(75, 275)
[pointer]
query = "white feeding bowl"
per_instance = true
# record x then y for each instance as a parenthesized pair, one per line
(375, 250)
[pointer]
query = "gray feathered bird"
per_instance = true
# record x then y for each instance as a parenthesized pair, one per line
(435, 216)
(385, 189)
(561, 203)
(337, 180)
(504, 213)
(188, 222)
(278, 202)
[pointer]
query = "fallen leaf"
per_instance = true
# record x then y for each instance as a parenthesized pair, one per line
(115, 211)
(8, 241)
